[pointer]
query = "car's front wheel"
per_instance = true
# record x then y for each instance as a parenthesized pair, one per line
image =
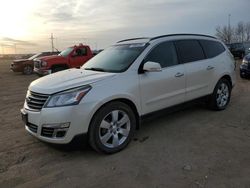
(221, 95)
(112, 127)
(27, 70)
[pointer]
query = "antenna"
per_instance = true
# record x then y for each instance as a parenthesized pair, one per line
(52, 42)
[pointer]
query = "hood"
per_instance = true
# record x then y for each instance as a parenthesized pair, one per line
(67, 79)
(20, 60)
(52, 57)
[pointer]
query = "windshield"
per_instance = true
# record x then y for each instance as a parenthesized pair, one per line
(115, 59)
(66, 52)
(34, 56)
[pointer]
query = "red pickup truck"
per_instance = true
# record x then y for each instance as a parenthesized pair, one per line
(72, 57)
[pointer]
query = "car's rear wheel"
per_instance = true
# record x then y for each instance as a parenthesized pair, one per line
(27, 70)
(112, 127)
(221, 95)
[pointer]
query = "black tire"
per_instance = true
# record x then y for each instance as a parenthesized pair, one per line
(57, 69)
(212, 102)
(95, 129)
(27, 70)
(242, 75)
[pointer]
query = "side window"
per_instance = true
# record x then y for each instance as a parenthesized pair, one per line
(81, 52)
(212, 48)
(189, 50)
(164, 54)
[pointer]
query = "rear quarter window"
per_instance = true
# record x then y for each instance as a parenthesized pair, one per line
(189, 50)
(212, 48)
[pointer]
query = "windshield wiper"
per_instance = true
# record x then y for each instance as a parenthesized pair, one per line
(96, 69)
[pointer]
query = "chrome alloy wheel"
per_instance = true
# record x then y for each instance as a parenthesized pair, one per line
(222, 95)
(114, 129)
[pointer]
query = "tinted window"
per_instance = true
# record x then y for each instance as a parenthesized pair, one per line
(212, 48)
(164, 54)
(81, 52)
(189, 50)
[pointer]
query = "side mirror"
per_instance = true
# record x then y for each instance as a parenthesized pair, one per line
(151, 67)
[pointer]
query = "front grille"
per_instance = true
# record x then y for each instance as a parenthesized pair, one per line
(32, 127)
(47, 132)
(36, 101)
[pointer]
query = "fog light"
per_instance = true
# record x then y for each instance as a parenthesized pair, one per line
(57, 130)
(57, 125)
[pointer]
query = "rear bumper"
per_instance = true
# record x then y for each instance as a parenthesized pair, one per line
(42, 72)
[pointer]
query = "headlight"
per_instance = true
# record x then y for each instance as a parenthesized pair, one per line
(28, 93)
(44, 63)
(68, 98)
(245, 61)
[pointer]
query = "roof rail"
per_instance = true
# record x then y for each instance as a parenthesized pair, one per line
(169, 35)
(133, 39)
(187, 34)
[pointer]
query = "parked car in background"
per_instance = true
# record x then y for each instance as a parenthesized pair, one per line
(109, 95)
(247, 47)
(245, 67)
(237, 49)
(26, 66)
(72, 57)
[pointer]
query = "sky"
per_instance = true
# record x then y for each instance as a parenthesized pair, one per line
(26, 25)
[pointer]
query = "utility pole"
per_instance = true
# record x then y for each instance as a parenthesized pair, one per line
(52, 42)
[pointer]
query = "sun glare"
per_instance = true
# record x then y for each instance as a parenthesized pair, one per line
(15, 16)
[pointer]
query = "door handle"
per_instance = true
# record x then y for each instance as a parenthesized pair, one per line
(179, 74)
(210, 67)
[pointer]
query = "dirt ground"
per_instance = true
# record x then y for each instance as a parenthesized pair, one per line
(193, 147)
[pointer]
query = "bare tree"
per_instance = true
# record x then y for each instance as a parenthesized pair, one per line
(240, 32)
(247, 31)
(224, 33)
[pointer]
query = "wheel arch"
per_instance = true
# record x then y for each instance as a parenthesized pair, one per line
(126, 101)
(228, 78)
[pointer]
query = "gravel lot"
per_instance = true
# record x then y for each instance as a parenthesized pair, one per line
(193, 147)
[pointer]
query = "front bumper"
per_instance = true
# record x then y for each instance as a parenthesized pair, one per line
(46, 124)
(42, 72)
(245, 71)
(16, 68)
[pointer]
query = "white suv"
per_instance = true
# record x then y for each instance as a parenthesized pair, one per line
(107, 97)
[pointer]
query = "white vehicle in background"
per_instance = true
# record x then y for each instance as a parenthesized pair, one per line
(108, 96)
